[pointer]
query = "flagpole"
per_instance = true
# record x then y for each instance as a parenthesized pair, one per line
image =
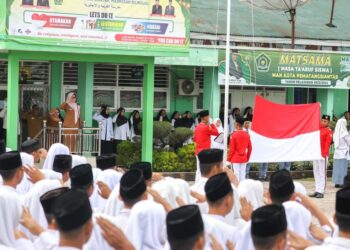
(227, 70)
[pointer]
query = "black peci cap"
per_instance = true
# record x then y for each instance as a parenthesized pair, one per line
(106, 161)
(81, 176)
(210, 156)
(62, 163)
(184, 222)
(268, 221)
(10, 160)
(132, 184)
(145, 167)
(217, 187)
(72, 210)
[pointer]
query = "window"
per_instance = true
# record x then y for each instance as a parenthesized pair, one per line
(105, 74)
(70, 73)
(3, 72)
(130, 75)
(198, 100)
(161, 76)
(130, 99)
(104, 97)
(34, 72)
(160, 100)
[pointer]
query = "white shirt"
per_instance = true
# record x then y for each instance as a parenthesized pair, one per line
(123, 218)
(337, 243)
(224, 231)
(122, 132)
(341, 152)
(107, 126)
(47, 240)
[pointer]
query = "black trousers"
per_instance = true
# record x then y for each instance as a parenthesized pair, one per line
(106, 147)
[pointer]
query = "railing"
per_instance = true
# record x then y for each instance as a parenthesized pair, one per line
(78, 140)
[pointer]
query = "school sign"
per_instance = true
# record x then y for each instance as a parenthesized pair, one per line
(286, 69)
(107, 23)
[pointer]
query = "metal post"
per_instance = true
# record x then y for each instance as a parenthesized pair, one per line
(292, 15)
(60, 132)
(99, 138)
(227, 68)
(330, 24)
(44, 134)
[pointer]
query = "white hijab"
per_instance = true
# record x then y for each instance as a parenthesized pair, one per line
(167, 190)
(32, 199)
(253, 191)
(78, 160)
(10, 212)
(114, 205)
(74, 106)
(25, 185)
(220, 128)
(55, 149)
(146, 226)
(112, 179)
(298, 218)
(340, 131)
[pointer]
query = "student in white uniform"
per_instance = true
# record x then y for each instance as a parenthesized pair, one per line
(132, 190)
(342, 219)
(72, 212)
(109, 176)
(185, 228)
(32, 147)
(81, 177)
(282, 192)
(50, 237)
(11, 170)
(210, 164)
(269, 227)
(121, 127)
(63, 164)
(106, 129)
(114, 205)
(219, 194)
(10, 213)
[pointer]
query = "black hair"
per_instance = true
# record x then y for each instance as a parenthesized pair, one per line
(184, 244)
(267, 243)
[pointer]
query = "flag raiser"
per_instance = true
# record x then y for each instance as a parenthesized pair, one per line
(285, 133)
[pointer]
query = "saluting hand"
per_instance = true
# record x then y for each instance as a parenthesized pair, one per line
(103, 190)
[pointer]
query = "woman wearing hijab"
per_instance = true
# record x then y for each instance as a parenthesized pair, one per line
(121, 128)
(218, 125)
(232, 118)
(187, 120)
(341, 140)
(162, 117)
(134, 121)
(106, 129)
(71, 120)
(54, 117)
(248, 114)
(175, 120)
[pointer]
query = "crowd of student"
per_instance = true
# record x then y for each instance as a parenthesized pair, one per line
(71, 205)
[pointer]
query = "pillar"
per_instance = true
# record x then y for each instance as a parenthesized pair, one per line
(341, 100)
(147, 119)
(12, 101)
(85, 91)
(290, 96)
(326, 98)
(55, 84)
(212, 93)
(3, 17)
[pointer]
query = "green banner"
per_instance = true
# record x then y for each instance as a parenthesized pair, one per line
(148, 23)
(286, 69)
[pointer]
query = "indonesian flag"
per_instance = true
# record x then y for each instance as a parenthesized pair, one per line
(285, 133)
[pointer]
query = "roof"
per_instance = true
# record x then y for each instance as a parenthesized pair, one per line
(209, 16)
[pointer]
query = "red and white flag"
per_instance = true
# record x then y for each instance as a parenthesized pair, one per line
(285, 133)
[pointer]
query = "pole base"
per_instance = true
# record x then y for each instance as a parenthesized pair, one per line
(331, 25)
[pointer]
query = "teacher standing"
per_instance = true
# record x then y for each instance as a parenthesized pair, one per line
(71, 120)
